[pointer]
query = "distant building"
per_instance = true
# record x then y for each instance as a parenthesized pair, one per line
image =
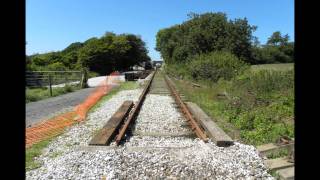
(157, 63)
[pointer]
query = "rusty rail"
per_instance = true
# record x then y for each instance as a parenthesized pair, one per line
(135, 111)
(192, 122)
(107, 133)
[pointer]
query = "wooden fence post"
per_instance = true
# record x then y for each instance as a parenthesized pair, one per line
(84, 79)
(50, 84)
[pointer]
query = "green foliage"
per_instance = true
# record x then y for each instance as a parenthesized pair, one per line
(216, 65)
(205, 33)
(208, 67)
(258, 105)
(273, 54)
(277, 50)
(178, 70)
(277, 154)
(57, 66)
(33, 152)
(210, 32)
(73, 47)
(36, 94)
(275, 67)
(101, 55)
(67, 88)
(276, 39)
(265, 81)
(213, 51)
(112, 52)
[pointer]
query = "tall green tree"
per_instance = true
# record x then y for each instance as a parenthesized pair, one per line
(204, 33)
(102, 55)
(113, 52)
(276, 39)
(278, 49)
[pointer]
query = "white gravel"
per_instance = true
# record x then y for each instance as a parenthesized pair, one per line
(159, 115)
(143, 157)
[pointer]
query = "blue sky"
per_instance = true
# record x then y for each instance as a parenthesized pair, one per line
(52, 25)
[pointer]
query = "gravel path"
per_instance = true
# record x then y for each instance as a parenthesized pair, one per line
(143, 157)
(47, 108)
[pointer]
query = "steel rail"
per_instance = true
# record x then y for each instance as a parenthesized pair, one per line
(135, 111)
(194, 125)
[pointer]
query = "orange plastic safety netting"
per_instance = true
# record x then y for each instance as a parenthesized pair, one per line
(57, 124)
(102, 89)
(49, 128)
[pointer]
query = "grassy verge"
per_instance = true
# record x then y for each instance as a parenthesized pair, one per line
(123, 86)
(36, 94)
(255, 107)
(279, 67)
(274, 174)
(33, 152)
(280, 153)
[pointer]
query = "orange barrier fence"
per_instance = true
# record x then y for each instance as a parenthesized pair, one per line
(49, 128)
(102, 89)
(57, 124)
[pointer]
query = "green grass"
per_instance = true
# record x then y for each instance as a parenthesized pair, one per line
(33, 152)
(123, 86)
(278, 154)
(279, 67)
(274, 174)
(256, 107)
(36, 94)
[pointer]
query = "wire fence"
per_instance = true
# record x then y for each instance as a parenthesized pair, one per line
(50, 79)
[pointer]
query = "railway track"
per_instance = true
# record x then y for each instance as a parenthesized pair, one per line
(118, 127)
(149, 137)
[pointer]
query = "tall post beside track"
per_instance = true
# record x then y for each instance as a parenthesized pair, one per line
(50, 84)
(84, 79)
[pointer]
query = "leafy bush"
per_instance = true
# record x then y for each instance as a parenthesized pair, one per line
(57, 66)
(179, 70)
(273, 54)
(67, 88)
(260, 103)
(36, 94)
(31, 97)
(264, 81)
(216, 65)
